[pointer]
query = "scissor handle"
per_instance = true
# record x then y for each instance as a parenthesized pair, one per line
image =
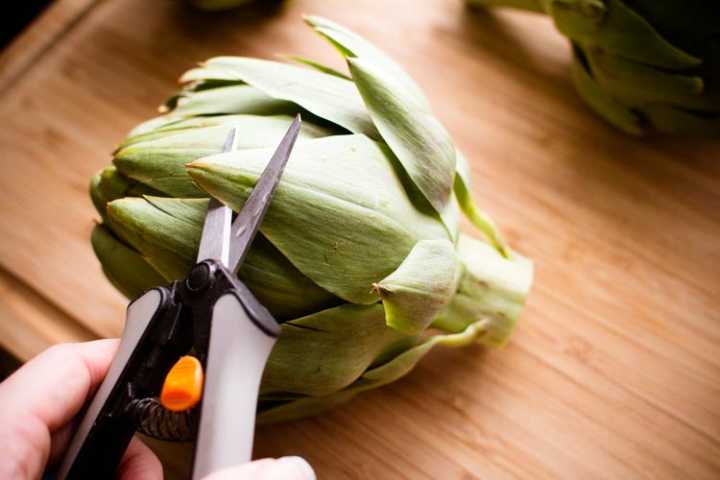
(237, 352)
(97, 446)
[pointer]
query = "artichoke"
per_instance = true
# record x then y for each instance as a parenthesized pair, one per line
(359, 255)
(644, 65)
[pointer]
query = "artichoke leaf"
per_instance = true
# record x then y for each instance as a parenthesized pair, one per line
(341, 213)
(481, 220)
(230, 99)
(421, 287)
(389, 372)
(235, 120)
(108, 185)
(350, 44)
(113, 185)
(281, 287)
(172, 249)
(613, 26)
(222, 100)
(149, 125)
(318, 66)
(169, 243)
(159, 161)
(406, 143)
(328, 350)
(126, 269)
(615, 112)
(415, 136)
(98, 200)
(628, 81)
(270, 412)
(402, 364)
(327, 96)
(402, 115)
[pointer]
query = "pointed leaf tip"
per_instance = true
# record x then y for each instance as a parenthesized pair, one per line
(400, 112)
(421, 287)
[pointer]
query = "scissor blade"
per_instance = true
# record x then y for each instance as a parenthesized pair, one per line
(215, 239)
(248, 220)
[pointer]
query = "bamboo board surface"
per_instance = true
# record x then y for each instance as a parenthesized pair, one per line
(614, 370)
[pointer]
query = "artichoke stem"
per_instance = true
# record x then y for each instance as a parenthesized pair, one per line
(491, 293)
(529, 5)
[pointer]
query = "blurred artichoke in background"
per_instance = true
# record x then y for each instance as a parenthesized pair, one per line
(644, 65)
(359, 255)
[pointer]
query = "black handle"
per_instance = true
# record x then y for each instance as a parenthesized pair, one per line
(106, 427)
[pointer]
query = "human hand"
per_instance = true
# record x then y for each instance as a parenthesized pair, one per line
(38, 402)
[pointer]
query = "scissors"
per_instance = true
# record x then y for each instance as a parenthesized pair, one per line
(192, 353)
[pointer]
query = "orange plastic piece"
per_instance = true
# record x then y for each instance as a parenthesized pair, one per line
(183, 385)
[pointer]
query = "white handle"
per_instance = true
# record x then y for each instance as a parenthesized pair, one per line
(237, 353)
(139, 314)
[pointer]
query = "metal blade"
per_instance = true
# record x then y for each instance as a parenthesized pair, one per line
(248, 220)
(215, 239)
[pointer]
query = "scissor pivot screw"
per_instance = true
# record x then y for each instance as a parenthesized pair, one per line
(200, 278)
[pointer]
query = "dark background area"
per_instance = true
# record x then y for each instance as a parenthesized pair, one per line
(16, 18)
(8, 364)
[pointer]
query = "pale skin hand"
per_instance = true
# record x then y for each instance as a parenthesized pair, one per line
(39, 401)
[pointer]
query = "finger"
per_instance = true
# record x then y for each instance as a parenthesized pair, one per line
(43, 395)
(53, 386)
(139, 463)
(24, 448)
(285, 468)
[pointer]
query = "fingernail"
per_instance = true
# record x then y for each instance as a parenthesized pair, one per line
(298, 468)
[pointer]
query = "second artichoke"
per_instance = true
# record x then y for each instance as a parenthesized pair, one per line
(644, 65)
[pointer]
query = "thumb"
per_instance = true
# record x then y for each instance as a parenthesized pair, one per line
(285, 468)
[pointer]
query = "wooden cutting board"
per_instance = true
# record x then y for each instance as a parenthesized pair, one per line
(614, 371)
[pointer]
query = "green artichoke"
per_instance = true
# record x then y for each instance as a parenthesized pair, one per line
(644, 65)
(359, 254)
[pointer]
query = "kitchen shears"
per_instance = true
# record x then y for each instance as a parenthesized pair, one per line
(192, 353)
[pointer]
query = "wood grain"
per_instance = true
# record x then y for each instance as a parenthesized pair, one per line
(613, 373)
(48, 29)
(29, 322)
